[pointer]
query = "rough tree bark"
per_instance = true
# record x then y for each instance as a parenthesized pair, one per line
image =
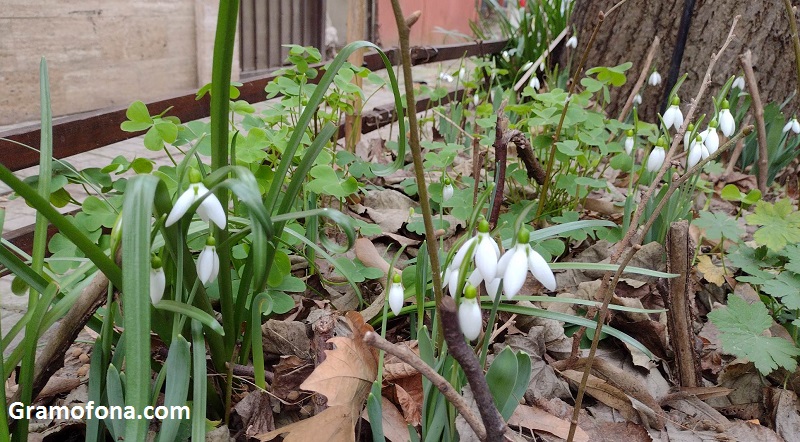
(626, 36)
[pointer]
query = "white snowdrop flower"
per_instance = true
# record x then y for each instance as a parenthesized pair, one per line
(711, 139)
(493, 287)
(738, 83)
(470, 319)
(792, 125)
(572, 42)
(637, 99)
(462, 73)
(629, 142)
(396, 295)
(687, 136)
(505, 56)
(158, 280)
(726, 122)
(447, 190)
(476, 100)
(208, 262)
(656, 159)
(698, 151)
(446, 77)
(513, 267)
(534, 83)
(655, 79)
(526, 66)
(209, 209)
(485, 253)
(673, 117)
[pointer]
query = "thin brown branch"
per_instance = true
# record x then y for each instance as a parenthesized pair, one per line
(795, 38)
(458, 348)
(606, 289)
(501, 163)
(410, 358)
(736, 153)
(642, 78)
(746, 60)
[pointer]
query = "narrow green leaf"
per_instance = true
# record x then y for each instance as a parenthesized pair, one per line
(199, 382)
(191, 312)
(177, 385)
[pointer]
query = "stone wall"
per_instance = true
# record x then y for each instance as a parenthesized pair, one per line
(101, 53)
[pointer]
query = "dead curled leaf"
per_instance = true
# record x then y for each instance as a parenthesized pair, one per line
(344, 378)
(536, 419)
(712, 273)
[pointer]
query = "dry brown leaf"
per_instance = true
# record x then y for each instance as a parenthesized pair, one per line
(712, 273)
(334, 424)
(410, 403)
(536, 419)
(394, 425)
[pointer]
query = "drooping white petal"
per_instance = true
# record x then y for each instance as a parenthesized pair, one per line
(656, 159)
(572, 42)
(181, 205)
(516, 273)
(485, 257)
(704, 153)
(694, 155)
(541, 270)
(687, 139)
(212, 209)
(470, 319)
(712, 141)
(158, 282)
(396, 297)
(795, 126)
(629, 145)
(462, 253)
(738, 83)
(452, 283)
(673, 117)
(654, 79)
(726, 122)
(207, 264)
(637, 99)
(447, 192)
(534, 83)
(492, 287)
(787, 126)
(502, 263)
(475, 278)
(669, 117)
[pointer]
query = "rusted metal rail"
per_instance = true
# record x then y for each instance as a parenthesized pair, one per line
(91, 130)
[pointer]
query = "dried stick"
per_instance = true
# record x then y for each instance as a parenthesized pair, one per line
(410, 358)
(746, 60)
(642, 77)
(501, 163)
(458, 348)
(737, 152)
(606, 289)
(404, 33)
(795, 38)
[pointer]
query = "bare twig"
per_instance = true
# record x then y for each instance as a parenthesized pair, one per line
(746, 60)
(410, 358)
(458, 348)
(404, 33)
(737, 151)
(606, 289)
(795, 38)
(501, 163)
(540, 60)
(642, 78)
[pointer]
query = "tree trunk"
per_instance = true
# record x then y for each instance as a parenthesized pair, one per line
(628, 32)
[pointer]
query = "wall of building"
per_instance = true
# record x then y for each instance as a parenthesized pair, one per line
(448, 15)
(101, 53)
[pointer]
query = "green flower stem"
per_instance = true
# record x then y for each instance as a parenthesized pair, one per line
(403, 31)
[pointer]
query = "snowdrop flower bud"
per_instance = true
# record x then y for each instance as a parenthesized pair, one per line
(673, 117)
(506, 56)
(396, 295)
(469, 314)
(655, 79)
(637, 99)
(462, 73)
(657, 155)
(526, 66)
(209, 209)
(534, 83)
(738, 83)
(793, 124)
(157, 280)
(208, 262)
(513, 267)
(629, 142)
(726, 122)
(447, 190)
(712, 138)
(572, 42)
